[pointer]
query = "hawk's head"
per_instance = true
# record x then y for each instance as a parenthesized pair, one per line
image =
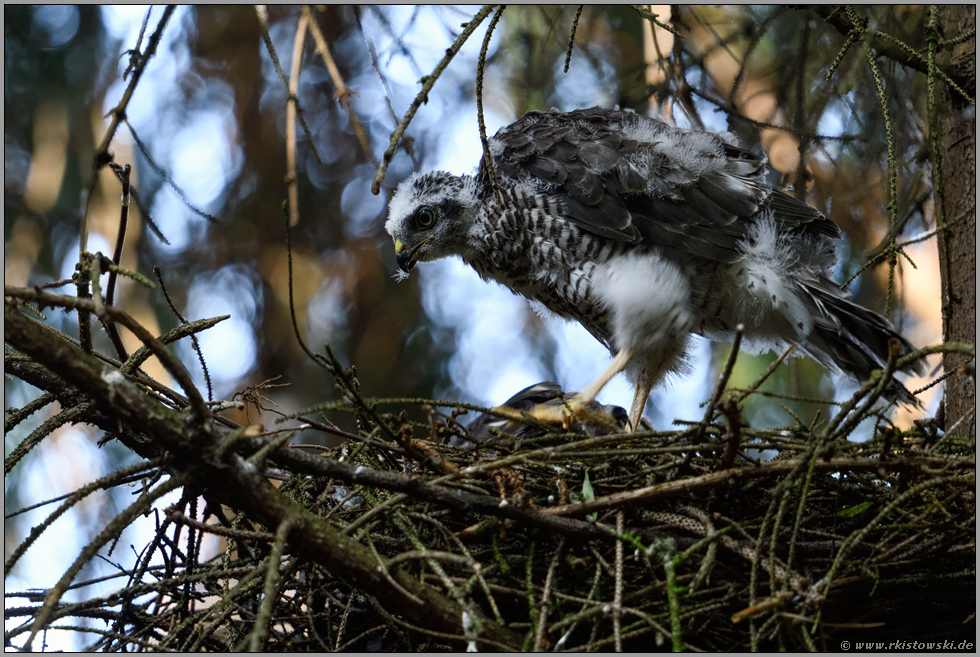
(430, 215)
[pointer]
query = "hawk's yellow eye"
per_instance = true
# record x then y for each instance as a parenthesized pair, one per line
(425, 217)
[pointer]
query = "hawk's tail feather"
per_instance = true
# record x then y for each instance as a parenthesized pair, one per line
(856, 339)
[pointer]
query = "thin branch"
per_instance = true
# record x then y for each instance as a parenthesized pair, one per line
(262, 13)
(427, 83)
(111, 530)
(844, 23)
(672, 489)
(118, 114)
(480, 67)
(111, 313)
(343, 92)
(722, 382)
(292, 184)
(571, 37)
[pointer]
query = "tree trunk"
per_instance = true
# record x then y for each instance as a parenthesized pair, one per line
(957, 134)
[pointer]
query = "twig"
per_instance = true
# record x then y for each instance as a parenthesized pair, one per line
(765, 375)
(427, 83)
(256, 638)
(122, 172)
(167, 178)
(722, 382)
(194, 341)
(652, 17)
(673, 605)
(545, 603)
(942, 211)
(111, 313)
(64, 416)
(892, 164)
(844, 23)
(292, 184)
(480, 67)
(671, 489)
(618, 587)
(571, 37)
(112, 529)
(262, 13)
(118, 113)
(343, 93)
(857, 536)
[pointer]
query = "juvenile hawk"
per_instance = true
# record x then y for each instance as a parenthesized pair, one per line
(644, 233)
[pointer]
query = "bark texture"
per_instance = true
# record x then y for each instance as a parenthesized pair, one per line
(957, 137)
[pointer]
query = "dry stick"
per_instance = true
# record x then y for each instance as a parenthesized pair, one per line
(291, 182)
(892, 164)
(618, 592)
(427, 83)
(19, 415)
(343, 91)
(128, 368)
(111, 530)
(758, 32)
(875, 253)
(399, 620)
(118, 113)
(875, 386)
(111, 479)
(158, 272)
(546, 597)
(130, 592)
(169, 361)
(84, 320)
(844, 23)
(123, 173)
(167, 178)
(733, 112)
(258, 635)
(653, 18)
(722, 382)
(178, 516)
(673, 605)
(333, 366)
(470, 560)
(802, 173)
(571, 37)
(939, 72)
(671, 489)
(857, 536)
(69, 415)
(765, 375)
(262, 13)
(220, 611)
(480, 67)
(244, 487)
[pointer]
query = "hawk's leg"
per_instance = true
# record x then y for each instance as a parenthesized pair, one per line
(643, 386)
(580, 405)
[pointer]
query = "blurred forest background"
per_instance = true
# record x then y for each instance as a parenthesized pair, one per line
(206, 135)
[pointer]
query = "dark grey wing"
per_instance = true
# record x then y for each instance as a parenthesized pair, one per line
(628, 177)
(570, 155)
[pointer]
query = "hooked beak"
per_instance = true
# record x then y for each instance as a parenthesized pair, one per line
(405, 257)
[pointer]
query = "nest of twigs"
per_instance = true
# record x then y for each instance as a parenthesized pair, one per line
(416, 535)
(790, 544)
